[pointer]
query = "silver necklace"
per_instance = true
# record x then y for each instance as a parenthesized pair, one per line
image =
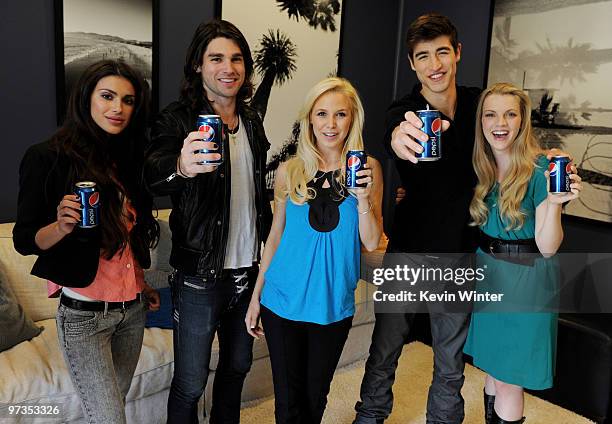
(233, 133)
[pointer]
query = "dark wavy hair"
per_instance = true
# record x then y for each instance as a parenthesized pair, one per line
(113, 162)
(192, 90)
(428, 27)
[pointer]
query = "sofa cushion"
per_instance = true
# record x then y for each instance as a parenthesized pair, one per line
(15, 326)
(156, 278)
(155, 365)
(36, 369)
(364, 304)
(30, 291)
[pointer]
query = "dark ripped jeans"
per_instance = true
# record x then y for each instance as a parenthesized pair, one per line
(203, 308)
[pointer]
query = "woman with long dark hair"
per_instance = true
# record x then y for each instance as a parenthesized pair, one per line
(98, 272)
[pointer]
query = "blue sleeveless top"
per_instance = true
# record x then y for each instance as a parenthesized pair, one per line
(314, 272)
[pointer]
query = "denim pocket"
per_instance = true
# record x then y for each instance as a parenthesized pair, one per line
(196, 283)
(79, 323)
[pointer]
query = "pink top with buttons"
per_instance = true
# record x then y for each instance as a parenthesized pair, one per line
(118, 279)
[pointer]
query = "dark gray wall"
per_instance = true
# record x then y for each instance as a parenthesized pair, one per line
(368, 60)
(178, 20)
(27, 84)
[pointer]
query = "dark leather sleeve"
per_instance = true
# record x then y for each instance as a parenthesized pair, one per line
(73, 261)
(167, 135)
(394, 116)
(32, 212)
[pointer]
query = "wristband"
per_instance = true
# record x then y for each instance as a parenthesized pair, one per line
(368, 211)
(178, 168)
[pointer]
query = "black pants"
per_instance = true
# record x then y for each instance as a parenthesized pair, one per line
(201, 310)
(449, 331)
(304, 357)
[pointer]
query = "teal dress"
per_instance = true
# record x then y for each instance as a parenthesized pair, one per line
(510, 340)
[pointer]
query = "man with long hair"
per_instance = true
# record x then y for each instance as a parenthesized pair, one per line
(219, 218)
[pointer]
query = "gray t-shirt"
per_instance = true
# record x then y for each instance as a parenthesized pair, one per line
(241, 250)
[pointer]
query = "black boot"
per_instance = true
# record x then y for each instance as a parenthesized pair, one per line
(489, 402)
(496, 420)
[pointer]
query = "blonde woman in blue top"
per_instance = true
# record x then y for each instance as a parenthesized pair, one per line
(512, 207)
(310, 265)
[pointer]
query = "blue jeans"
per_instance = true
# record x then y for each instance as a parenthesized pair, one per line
(101, 352)
(201, 309)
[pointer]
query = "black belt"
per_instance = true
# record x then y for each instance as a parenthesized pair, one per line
(96, 305)
(522, 252)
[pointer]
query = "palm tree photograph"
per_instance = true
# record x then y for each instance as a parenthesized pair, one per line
(295, 44)
(275, 62)
(320, 13)
(560, 53)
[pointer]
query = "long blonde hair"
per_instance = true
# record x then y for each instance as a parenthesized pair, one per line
(524, 151)
(303, 167)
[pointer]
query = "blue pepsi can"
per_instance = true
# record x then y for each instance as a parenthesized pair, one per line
(560, 169)
(355, 160)
(213, 125)
(432, 126)
(90, 203)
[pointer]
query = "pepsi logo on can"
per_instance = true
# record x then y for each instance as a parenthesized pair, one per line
(89, 196)
(560, 169)
(432, 126)
(94, 199)
(212, 125)
(355, 160)
(209, 130)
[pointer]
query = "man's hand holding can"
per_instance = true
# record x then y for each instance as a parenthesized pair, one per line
(404, 137)
(191, 158)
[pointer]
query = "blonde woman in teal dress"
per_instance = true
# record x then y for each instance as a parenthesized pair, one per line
(514, 211)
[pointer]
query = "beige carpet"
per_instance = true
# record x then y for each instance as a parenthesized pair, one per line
(410, 390)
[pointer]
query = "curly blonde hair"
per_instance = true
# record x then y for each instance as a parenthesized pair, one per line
(524, 151)
(303, 167)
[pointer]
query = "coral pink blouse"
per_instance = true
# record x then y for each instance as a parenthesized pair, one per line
(118, 279)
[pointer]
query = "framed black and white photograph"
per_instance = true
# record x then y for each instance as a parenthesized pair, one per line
(295, 44)
(91, 30)
(560, 53)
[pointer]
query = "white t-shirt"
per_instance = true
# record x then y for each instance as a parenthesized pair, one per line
(241, 248)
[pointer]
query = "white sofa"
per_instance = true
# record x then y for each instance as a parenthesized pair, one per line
(34, 373)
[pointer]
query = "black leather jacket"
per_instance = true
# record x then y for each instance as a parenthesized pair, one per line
(200, 206)
(45, 176)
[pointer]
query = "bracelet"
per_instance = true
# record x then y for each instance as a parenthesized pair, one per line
(178, 168)
(368, 211)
